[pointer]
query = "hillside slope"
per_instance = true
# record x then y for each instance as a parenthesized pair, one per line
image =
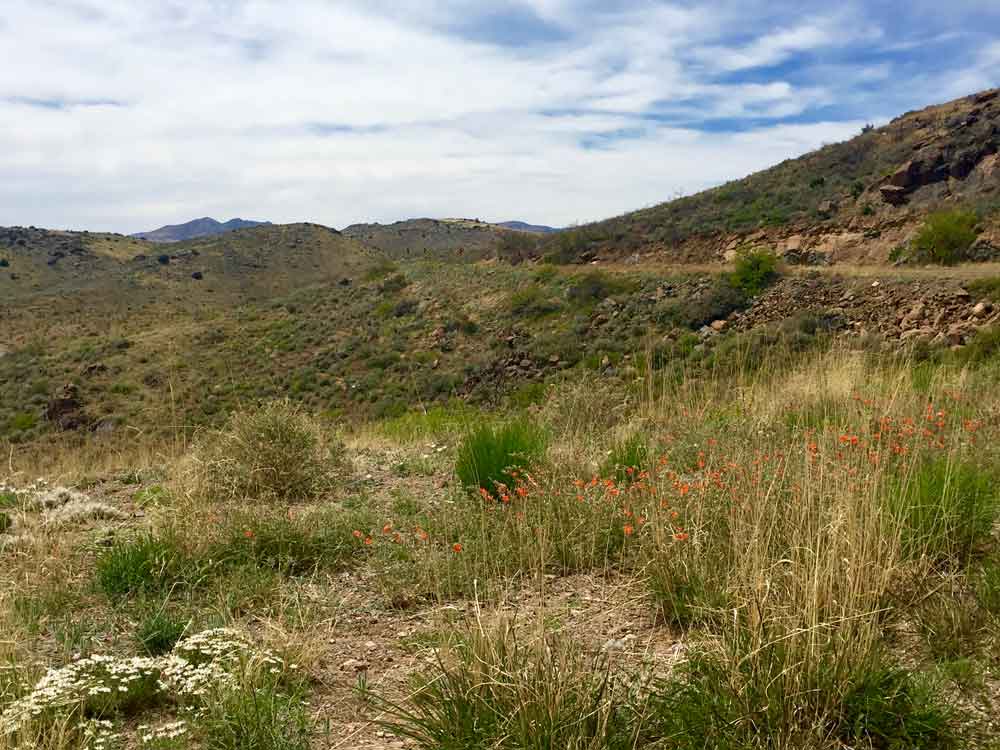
(850, 201)
(204, 227)
(450, 239)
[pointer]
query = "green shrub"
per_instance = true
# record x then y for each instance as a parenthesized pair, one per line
(944, 509)
(754, 270)
(983, 347)
(273, 453)
(717, 303)
(488, 455)
(986, 288)
(626, 459)
(157, 631)
(23, 421)
(594, 286)
(533, 301)
(945, 237)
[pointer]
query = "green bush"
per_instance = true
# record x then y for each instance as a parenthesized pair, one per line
(717, 303)
(23, 421)
(944, 509)
(986, 288)
(754, 271)
(533, 301)
(945, 237)
(273, 453)
(594, 286)
(489, 455)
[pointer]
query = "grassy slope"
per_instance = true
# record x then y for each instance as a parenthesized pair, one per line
(844, 176)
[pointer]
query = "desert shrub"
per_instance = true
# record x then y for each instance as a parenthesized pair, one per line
(981, 348)
(753, 271)
(943, 509)
(397, 282)
(945, 237)
(22, 421)
(533, 301)
(273, 453)
(492, 690)
(380, 270)
(627, 459)
(157, 632)
(716, 303)
(595, 286)
(987, 288)
(490, 455)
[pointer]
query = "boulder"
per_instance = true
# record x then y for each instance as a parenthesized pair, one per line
(65, 409)
(894, 195)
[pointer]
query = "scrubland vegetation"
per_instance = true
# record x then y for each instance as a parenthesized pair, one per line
(796, 550)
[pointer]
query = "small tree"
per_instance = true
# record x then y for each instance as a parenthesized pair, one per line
(946, 237)
(754, 271)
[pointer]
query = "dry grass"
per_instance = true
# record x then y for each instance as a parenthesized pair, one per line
(764, 534)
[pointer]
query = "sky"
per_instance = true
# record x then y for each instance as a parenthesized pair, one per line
(123, 115)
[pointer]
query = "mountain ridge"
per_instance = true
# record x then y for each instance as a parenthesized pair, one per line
(206, 226)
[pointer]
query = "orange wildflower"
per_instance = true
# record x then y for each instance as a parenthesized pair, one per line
(628, 529)
(456, 547)
(357, 534)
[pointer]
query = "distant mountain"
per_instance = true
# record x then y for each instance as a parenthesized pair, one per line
(205, 227)
(522, 226)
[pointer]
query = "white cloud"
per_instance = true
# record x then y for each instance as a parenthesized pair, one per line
(366, 109)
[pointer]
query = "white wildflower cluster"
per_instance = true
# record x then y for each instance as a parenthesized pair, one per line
(163, 733)
(97, 685)
(99, 734)
(105, 685)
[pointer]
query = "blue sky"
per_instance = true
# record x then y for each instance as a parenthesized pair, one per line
(122, 115)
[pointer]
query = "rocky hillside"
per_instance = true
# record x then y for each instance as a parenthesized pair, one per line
(204, 227)
(852, 201)
(448, 239)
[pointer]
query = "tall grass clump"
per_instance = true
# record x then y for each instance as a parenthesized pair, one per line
(945, 508)
(494, 689)
(146, 564)
(627, 459)
(491, 456)
(274, 453)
